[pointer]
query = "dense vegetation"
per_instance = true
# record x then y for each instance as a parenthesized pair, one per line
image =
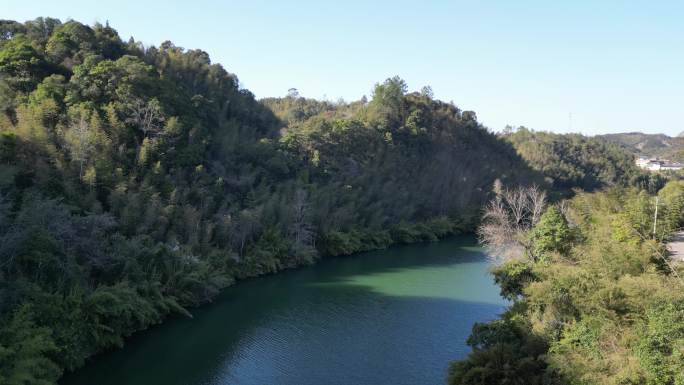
(137, 181)
(651, 145)
(574, 161)
(595, 298)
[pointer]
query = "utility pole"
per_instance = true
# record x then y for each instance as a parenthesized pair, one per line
(655, 219)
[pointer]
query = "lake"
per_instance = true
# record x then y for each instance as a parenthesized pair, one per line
(395, 316)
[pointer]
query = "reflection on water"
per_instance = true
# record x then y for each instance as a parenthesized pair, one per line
(396, 316)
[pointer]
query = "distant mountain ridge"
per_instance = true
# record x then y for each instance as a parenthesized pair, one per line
(652, 145)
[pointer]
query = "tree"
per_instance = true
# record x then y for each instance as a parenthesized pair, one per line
(25, 350)
(427, 92)
(41, 29)
(508, 218)
(108, 41)
(9, 28)
(70, 43)
(80, 138)
(22, 66)
(244, 228)
(672, 200)
(470, 116)
(388, 98)
(6, 98)
(302, 232)
(146, 116)
(551, 234)
(504, 352)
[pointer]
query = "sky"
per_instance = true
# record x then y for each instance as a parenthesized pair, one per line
(588, 66)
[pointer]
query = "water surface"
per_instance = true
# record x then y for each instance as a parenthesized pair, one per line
(396, 316)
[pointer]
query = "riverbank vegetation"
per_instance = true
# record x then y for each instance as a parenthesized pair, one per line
(136, 182)
(595, 298)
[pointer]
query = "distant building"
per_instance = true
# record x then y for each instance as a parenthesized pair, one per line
(674, 166)
(642, 161)
(655, 164)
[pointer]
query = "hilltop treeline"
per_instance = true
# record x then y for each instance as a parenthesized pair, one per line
(650, 145)
(574, 161)
(596, 299)
(137, 181)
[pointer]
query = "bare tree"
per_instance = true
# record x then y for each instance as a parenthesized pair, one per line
(508, 218)
(146, 116)
(81, 141)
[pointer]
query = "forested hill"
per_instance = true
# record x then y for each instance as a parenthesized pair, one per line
(651, 145)
(570, 161)
(137, 181)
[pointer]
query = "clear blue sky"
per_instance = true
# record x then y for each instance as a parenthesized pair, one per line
(615, 65)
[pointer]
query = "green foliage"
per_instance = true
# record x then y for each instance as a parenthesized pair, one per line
(551, 234)
(24, 350)
(512, 277)
(604, 305)
(21, 65)
(660, 348)
(575, 161)
(388, 99)
(339, 243)
(504, 352)
(69, 43)
(672, 211)
(8, 147)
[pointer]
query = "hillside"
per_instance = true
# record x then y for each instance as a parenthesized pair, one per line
(138, 181)
(652, 145)
(596, 299)
(574, 161)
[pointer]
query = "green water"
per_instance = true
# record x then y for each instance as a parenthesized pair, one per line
(396, 316)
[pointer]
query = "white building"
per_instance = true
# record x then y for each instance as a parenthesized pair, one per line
(655, 164)
(642, 162)
(674, 166)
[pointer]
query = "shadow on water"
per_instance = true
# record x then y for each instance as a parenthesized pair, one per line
(393, 316)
